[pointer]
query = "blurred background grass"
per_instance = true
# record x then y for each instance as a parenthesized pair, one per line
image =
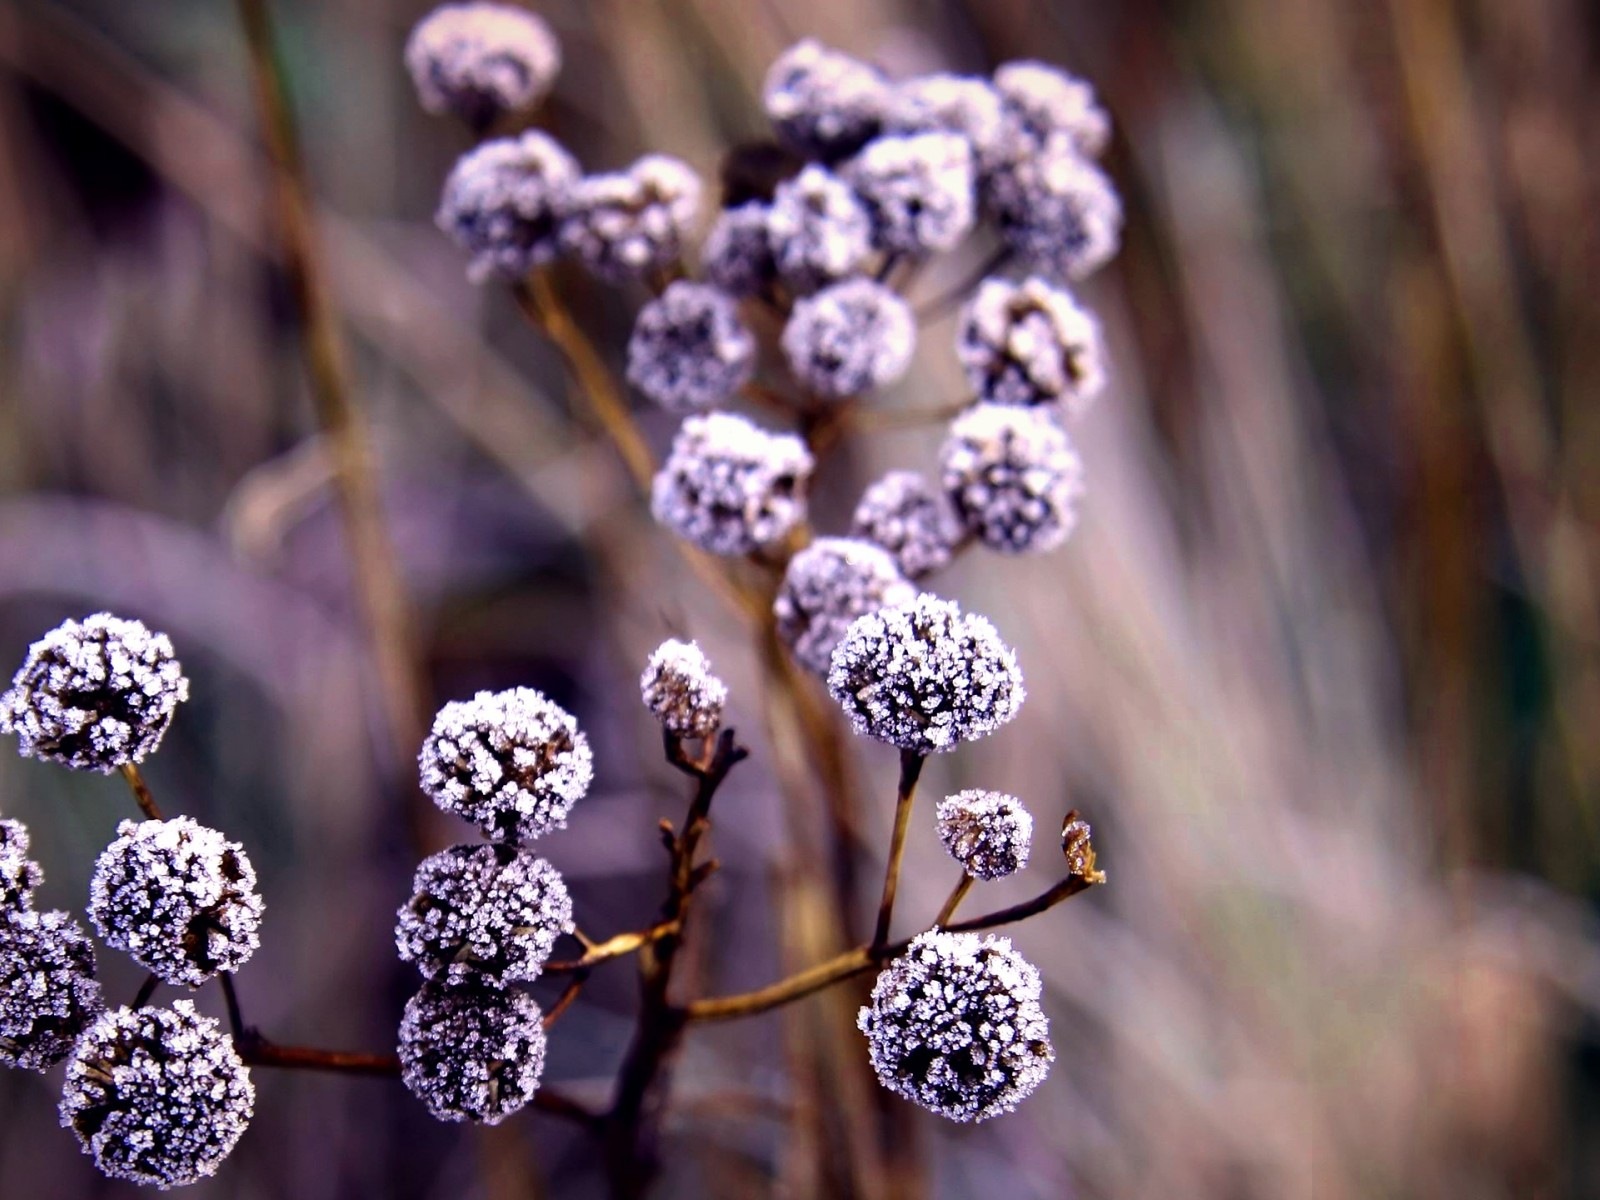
(1320, 664)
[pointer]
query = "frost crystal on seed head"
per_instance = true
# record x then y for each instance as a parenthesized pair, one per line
(501, 201)
(952, 104)
(627, 223)
(737, 253)
(918, 189)
(19, 874)
(902, 513)
(988, 833)
(94, 694)
(511, 762)
(955, 1026)
(177, 896)
(818, 230)
(679, 689)
(925, 676)
(472, 1054)
(1030, 343)
(821, 102)
(1013, 477)
(689, 349)
(850, 338)
(1042, 102)
(481, 60)
(826, 587)
(483, 914)
(157, 1095)
(1057, 210)
(48, 993)
(730, 487)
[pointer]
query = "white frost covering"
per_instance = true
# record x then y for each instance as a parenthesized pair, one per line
(689, 349)
(1013, 477)
(823, 103)
(904, 514)
(818, 230)
(826, 587)
(501, 200)
(850, 338)
(1031, 343)
(625, 224)
(918, 188)
(1057, 210)
(1043, 102)
(472, 1054)
(48, 992)
(988, 833)
(679, 689)
(481, 60)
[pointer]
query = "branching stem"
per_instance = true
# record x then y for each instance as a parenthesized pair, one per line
(957, 895)
(910, 771)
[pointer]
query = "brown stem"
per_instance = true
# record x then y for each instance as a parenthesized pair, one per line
(906, 795)
(613, 947)
(147, 990)
(569, 995)
(957, 895)
(141, 792)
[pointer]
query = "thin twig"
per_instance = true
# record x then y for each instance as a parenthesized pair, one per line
(569, 995)
(141, 792)
(957, 895)
(235, 1014)
(905, 798)
(938, 306)
(613, 947)
(147, 990)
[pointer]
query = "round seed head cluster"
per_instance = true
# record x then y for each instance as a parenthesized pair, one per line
(483, 914)
(737, 255)
(1042, 102)
(689, 349)
(850, 338)
(826, 587)
(1013, 477)
(157, 1095)
(481, 60)
(955, 1026)
(19, 874)
(177, 896)
(1030, 343)
(925, 676)
(918, 189)
(513, 763)
(730, 487)
(953, 104)
(679, 688)
(48, 993)
(988, 833)
(94, 694)
(1057, 210)
(818, 230)
(902, 513)
(624, 224)
(472, 1054)
(501, 201)
(823, 103)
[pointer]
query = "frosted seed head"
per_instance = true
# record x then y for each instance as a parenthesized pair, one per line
(904, 514)
(988, 833)
(157, 1095)
(918, 188)
(625, 224)
(818, 229)
(94, 695)
(48, 993)
(481, 60)
(487, 915)
(501, 201)
(826, 587)
(824, 103)
(513, 763)
(957, 104)
(955, 1026)
(730, 487)
(1030, 343)
(19, 874)
(1013, 477)
(177, 896)
(1057, 211)
(1042, 102)
(689, 349)
(737, 254)
(925, 676)
(472, 1054)
(681, 692)
(850, 338)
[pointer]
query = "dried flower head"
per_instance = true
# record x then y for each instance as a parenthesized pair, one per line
(850, 338)
(689, 349)
(1013, 477)
(818, 230)
(826, 587)
(730, 487)
(904, 514)
(958, 104)
(737, 253)
(94, 694)
(918, 189)
(481, 60)
(177, 896)
(925, 676)
(625, 224)
(513, 763)
(1030, 343)
(157, 1095)
(48, 993)
(1057, 210)
(1042, 102)
(472, 1054)
(501, 201)
(19, 874)
(824, 103)
(955, 1026)
(988, 833)
(679, 688)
